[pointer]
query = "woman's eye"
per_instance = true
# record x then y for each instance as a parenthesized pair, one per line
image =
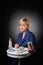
(23, 25)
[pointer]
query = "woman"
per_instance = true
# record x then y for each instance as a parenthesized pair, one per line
(25, 36)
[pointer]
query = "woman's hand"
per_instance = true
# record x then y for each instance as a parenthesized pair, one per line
(31, 49)
(16, 45)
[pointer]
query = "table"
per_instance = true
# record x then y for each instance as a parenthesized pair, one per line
(13, 54)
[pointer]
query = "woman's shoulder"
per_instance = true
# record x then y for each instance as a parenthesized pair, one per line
(30, 33)
(20, 34)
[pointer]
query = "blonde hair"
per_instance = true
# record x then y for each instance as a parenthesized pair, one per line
(26, 21)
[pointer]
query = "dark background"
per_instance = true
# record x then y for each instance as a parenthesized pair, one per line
(7, 9)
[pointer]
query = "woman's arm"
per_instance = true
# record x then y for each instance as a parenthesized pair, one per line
(32, 49)
(33, 46)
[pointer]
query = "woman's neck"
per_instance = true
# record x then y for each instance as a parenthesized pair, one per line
(23, 35)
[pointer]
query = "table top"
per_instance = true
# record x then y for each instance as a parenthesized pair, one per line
(16, 54)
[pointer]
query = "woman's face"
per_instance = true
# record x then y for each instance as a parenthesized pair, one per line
(23, 26)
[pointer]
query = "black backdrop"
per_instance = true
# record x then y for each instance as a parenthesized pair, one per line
(6, 10)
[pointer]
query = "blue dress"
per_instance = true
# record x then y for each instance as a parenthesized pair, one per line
(29, 36)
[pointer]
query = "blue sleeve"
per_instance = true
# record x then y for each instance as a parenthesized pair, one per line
(19, 39)
(32, 39)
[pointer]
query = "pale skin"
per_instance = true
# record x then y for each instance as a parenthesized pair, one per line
(23, 27)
